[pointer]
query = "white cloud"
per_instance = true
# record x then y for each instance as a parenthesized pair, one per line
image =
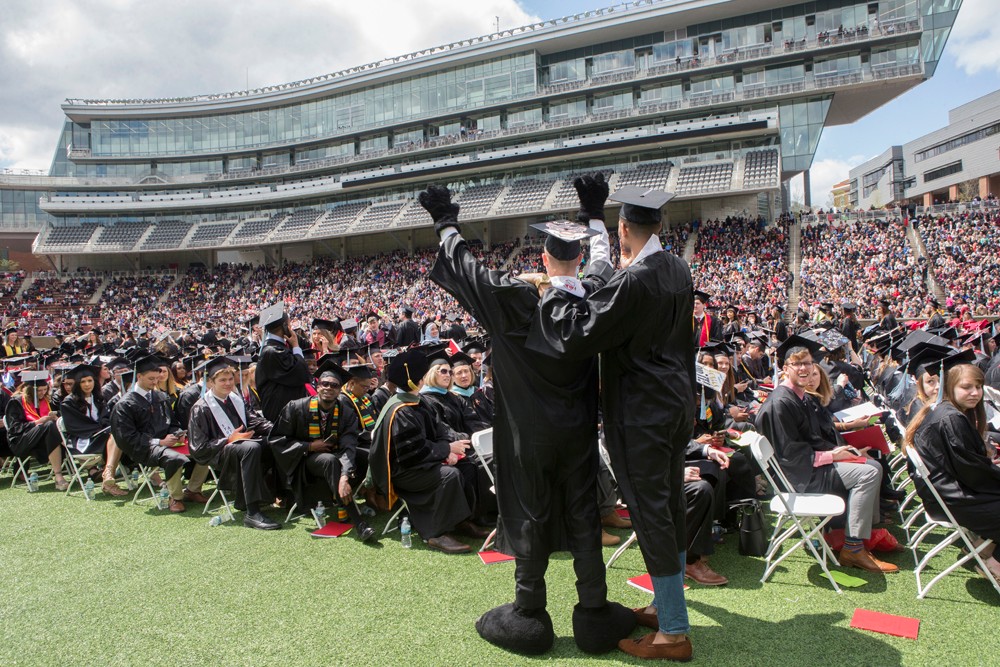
(823, 175)
(51, 50)
(975, 38)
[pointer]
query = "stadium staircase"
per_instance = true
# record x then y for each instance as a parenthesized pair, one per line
(168, 292)
(794, 265)
(920, 250)
(99, 292)
(692, 242)
(28, 282)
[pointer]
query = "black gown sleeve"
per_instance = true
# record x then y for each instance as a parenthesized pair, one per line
(412, 445)
(204, 435)
(347, 436)
(77, 423)
(286, 439)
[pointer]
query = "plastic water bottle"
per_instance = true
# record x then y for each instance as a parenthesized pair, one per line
(215, 521)
(163, 500)
(88, 489)
(404, 533)
(32, 482)
(320, 514)
(135, 476)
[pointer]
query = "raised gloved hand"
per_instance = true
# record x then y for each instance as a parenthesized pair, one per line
(436, 200)
(592, 190)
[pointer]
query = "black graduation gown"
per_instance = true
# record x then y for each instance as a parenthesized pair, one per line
(850, 328)
(26, 438)
(79, 423)
(483, 403)
(135, 423)
(110, 390)
(781, 331)
(407, 333)
(289, 441)
(409, 446)
(935, 322)
(380, 397)
(454, 411)
(280, 378)
(185, 400)
(966, 479)
(641, 322)
(792, 428)
(545, 423)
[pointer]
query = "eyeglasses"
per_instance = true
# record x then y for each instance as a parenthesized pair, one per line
(799, 364)
(329, 385)
(444, 371)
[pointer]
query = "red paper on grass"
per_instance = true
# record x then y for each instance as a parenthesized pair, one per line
(871, 436)
(623, 513)
(332, 529)
(490, 557)
(887, 624)
(645, 583)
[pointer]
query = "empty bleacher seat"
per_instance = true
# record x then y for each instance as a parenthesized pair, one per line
(167, 234)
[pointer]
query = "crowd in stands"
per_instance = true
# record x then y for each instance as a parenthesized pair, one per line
(862, 262)
(743, 262)
(966, 255)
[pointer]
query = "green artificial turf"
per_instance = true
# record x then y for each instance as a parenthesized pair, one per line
(111, 583)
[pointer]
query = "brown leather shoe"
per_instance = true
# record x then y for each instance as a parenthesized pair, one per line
(646, 618)
(609, 540)
(176, 506)
(863, 559)
(448, 544)
(109, 487)
(470, 529)
(195, 497)
(703, 574)
(643, 647)
(612, 520)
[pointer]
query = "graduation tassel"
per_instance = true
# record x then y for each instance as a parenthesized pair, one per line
(940, 395)
(774, 380)
(703, 414)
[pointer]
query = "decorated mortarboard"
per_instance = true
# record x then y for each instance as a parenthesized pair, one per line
(150, 362)
(703, 297)
(272, 315)
(330, 366)
(79, 371)
(562, 238)
(34, 377)
(349, 324)
(831, 339)
(641, 206)
(795, 340)
(332, 326)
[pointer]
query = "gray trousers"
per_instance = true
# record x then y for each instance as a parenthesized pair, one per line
(862, 481)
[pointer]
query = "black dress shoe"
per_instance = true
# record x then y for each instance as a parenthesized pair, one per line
(448, 544)
(365, 532)
(260, 522)
(470, 529)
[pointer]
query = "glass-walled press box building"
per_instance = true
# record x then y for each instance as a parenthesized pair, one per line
(719, 102)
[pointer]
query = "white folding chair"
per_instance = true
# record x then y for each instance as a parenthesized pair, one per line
(145, 482)
(74, 462)
(389, 527)
(955, 533)
(603, 452)
(226, 509)
(803, 513)
(482, 444)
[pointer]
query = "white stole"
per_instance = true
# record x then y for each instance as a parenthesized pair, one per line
(221, 418)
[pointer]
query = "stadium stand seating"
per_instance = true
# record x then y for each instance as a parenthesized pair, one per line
(167, 234)
(705, 178)
(338, 219)
(476, 201)
(378, 216)
(122, 236)
(761, 170)
(211, 234)
(525, 195)
(297, 224)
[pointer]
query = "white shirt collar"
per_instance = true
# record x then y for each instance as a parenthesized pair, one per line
(652, 246)
(568, 284)
(271, 336)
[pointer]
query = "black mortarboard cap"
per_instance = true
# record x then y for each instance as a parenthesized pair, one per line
(641, 206)
(460, 358)
(216, 364)
(925, 355)
(326, 325)
(150, 362)
(704, 297)
(407, 369)
(716, 347)
(849, 306)
(34, 377)
(242, 361)
(10, 328)
(473, 346)
(436, 356)
(361, 371)
(272, 315)
(15, 361)
(331, 366)
(795, 340)
(951, 333)
(562, 238)
(952, 360)
(80, 370)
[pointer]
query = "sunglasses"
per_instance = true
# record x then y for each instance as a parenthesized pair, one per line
(329, 385)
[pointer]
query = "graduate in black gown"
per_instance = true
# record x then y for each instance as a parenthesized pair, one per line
(545, 428)
(963, 469)
(450, 407)
(281, 374)
(315, 440)
(641, 322)
(31, 424)
(355, 390)
(225, 433)
(144, 427)
(414, 457)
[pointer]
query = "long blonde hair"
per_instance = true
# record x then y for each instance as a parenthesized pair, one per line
(976, 415)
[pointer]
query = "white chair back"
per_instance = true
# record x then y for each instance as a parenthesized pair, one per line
(482, 443)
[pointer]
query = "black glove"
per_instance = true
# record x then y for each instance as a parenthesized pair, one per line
(593, 192)
(436, 200)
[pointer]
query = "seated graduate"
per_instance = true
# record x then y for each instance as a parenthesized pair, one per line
(414, 457)
(927, 384)
(963, 468)
(483, 400)
(359, 379)
(223, 432)
(31, 424)
(451, 408)
(739, 411)
(316, 437)
(87, 421)
(810, 457)
(701, 507)
(463, 379)
(143, 426)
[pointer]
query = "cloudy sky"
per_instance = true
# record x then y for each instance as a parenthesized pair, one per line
(54, 49)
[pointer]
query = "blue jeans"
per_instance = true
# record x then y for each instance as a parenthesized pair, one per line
(668, 598)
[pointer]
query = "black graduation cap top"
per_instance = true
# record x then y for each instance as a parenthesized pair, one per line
(329, 366)
(562, 238)
(954, 359)
(460, 359)
(216, 364)
(795, 340)
(704, 297)
(34, 377)
(150, 362)
(272, 315)
(924, 356)
(716, 348)
(641, 206)
(80, 370)
(326, 325)
(361, 371)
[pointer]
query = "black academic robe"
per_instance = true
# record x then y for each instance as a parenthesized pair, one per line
(185, 400)
(714, 325)
(641, 322)
(380, 397)
(289, 441)
(960, 470)
(135, 422)
(280, 378)
(109, 390)
(407, 333)
(850, 328)
(27, 438)
(454, 411)
(545, 423)
(483, 402)
(780, 331)
(993, 376)
(935, 322)
(791, 426)
(409, 447)
(208, 445)
(79, 423)
(366, 411)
